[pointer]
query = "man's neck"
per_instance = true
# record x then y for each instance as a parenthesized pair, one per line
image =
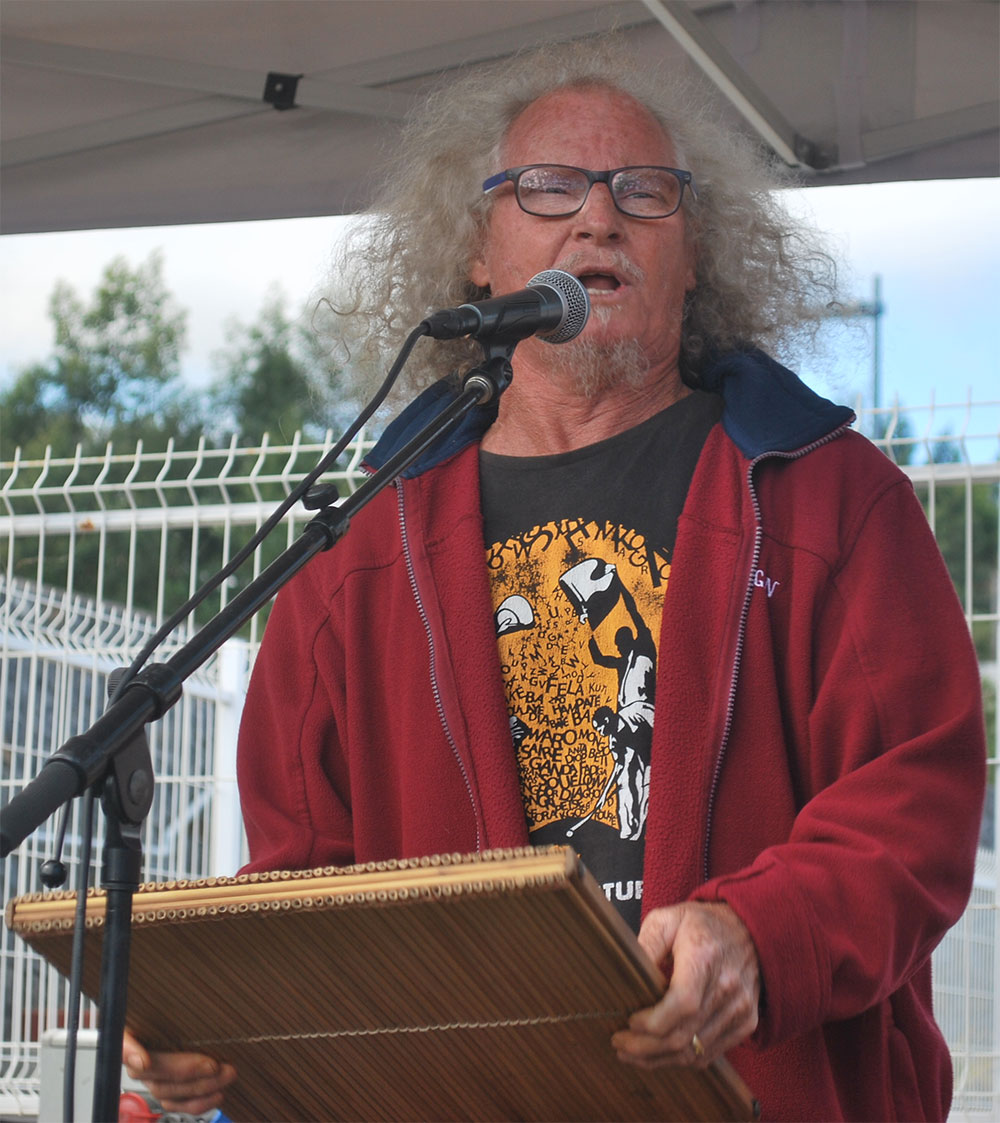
(541, 415)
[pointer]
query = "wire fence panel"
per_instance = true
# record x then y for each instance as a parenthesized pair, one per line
(95, 551)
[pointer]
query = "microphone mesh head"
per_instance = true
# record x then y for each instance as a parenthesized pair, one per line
(576, 304)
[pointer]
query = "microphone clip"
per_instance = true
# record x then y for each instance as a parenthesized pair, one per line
(493, 375)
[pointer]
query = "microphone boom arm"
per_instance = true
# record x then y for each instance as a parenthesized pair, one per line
(85, 760)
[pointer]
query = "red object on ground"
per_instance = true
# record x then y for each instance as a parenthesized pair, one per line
(133, 1107)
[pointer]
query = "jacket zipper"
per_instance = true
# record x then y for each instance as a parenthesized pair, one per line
(432, 652)
(742, 627)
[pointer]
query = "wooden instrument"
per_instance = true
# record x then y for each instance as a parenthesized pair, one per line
(483, 987)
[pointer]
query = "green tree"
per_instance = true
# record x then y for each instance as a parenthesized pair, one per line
(966, 528)
(965, 525)
(113, 373)
(113, 377)
(274, 379)
(965, 513)
(898, 446)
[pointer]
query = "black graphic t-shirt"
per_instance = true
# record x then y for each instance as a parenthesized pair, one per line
(579, 547)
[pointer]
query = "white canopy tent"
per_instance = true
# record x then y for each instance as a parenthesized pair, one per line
(129, 113)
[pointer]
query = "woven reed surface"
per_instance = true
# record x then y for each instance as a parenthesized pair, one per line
(481, 987)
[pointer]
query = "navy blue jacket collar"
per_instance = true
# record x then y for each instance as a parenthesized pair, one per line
(766, 408)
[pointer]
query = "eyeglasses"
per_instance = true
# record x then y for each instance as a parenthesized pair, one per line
(558, 190)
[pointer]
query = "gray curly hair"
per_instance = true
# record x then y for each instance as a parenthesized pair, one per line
(760, 274)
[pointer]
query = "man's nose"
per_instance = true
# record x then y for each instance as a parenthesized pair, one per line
(599, 217)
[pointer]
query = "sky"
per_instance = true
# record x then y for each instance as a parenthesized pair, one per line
(934, 245)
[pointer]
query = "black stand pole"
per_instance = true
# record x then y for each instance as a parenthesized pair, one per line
(121, 875)
(126, 800)
(110, 751)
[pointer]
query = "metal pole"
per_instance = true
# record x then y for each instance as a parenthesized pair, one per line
(877, 309)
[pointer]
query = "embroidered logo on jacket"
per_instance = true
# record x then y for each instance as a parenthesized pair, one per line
(762, 581)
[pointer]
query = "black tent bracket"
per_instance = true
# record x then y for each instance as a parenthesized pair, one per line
(280, 89)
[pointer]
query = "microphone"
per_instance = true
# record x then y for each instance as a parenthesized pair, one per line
(554, 306)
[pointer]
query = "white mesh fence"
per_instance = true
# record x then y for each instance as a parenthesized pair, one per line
(96, 551)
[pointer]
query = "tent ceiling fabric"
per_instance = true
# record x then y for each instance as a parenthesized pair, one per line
(120, 113)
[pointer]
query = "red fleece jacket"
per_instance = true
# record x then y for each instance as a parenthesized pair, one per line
(817, 762)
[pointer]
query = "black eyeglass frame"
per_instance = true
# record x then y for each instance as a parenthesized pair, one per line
(513, 175)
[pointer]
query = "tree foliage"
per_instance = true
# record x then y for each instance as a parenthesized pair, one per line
(274, 379)
(114, 372)
(113, 377)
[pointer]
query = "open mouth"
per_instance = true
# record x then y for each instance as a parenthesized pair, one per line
(599, 282)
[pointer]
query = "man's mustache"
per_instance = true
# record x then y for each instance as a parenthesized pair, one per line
(616, 260)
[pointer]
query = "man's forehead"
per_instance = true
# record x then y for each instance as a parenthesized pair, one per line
(569, 108)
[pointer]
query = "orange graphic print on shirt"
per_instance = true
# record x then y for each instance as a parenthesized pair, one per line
(577, 608)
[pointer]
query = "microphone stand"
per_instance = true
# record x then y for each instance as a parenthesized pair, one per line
(114, 751)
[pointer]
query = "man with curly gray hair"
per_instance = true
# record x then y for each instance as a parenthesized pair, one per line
(655, 521)
(760, 276)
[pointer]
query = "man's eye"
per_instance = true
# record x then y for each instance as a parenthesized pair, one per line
(548, 187)
(640, 190)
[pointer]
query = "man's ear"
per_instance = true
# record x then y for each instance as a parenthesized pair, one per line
(478, 273)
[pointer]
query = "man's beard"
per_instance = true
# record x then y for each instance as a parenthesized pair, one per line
(596, 367)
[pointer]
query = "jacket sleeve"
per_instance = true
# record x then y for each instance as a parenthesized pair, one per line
(292, 779)
(880, 859)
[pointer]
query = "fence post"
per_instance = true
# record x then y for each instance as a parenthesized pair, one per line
(227, 822)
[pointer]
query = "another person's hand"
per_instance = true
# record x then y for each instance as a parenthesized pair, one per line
(711, 1002)
(182, 1082)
